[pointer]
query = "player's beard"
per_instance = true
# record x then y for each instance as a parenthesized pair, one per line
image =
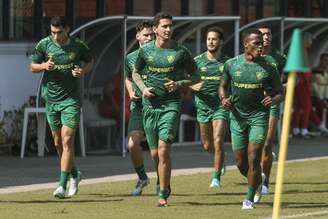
(213, 50)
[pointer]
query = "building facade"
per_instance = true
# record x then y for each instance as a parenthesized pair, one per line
(26, 20)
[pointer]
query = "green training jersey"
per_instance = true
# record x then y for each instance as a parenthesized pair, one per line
(277, 59)
(59, 83)
(249, 83)
(129, 66)
(210, 72)
(159, 64)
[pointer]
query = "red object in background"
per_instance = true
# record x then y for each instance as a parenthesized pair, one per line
(111, 105)
(302, 100)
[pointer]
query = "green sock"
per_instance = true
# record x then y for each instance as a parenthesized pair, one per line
(141, 172)
(250, 193)
(63, 178)
(216, 175)
(163, 193)
(74, 172)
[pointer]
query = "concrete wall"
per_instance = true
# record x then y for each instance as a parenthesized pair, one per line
(17, 83)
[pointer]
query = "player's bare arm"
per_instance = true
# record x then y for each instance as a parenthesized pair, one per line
(272, 100)
(146, 91)
(225, 99)
(44, 66)
(129, 88)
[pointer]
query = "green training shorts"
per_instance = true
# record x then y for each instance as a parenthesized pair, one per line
(135, 120)
(208, 114)
(66, 112)
(252, 129)
(160, 124)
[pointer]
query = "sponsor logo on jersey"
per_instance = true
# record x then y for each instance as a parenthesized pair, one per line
(170, 59)
(260, 75)
(150, 58)
(161, 70)
(210, 78)
(203, 69)
(238, 73)
(246, 86)
(50, 56)
(72, 55)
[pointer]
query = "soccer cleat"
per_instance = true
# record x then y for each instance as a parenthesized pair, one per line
(74, 185)
(162, 203)
(139, 186)
(247, 205)
(59, 192)
(265, 190)
(215, 183)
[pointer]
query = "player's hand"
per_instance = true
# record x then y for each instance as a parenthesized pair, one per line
(49, 65)
(148, 92)
(226, 103)
(170, 85)
(267, 101)
(77, 72)
(197, 86)
(133, 96)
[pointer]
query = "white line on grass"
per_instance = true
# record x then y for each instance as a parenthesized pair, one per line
(125, 177)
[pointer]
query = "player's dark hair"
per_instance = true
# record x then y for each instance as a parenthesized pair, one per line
(217, 30)
(58, 21)
(143, 24)
(264, 27)
(250, 31)
(159, 16)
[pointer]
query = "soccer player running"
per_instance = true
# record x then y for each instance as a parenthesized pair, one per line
(254, 88)
(278, 60)
(60, 57)
(168, 66)
(135, 127)
(211, 115)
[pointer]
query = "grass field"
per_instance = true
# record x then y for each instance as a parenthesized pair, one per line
(305, 196)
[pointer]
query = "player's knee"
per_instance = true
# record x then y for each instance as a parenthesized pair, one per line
(154, 155)
(163, 151)
(132, 145)
(67, 141)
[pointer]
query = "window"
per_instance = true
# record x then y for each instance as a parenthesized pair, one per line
(20, 19)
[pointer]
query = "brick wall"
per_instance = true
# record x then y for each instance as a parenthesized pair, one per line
(53, 7)
(143, 7)
(85, 8)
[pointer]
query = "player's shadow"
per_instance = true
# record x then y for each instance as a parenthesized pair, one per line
(103, 195)
(209, 203)
(65, 200)
(223, 193)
